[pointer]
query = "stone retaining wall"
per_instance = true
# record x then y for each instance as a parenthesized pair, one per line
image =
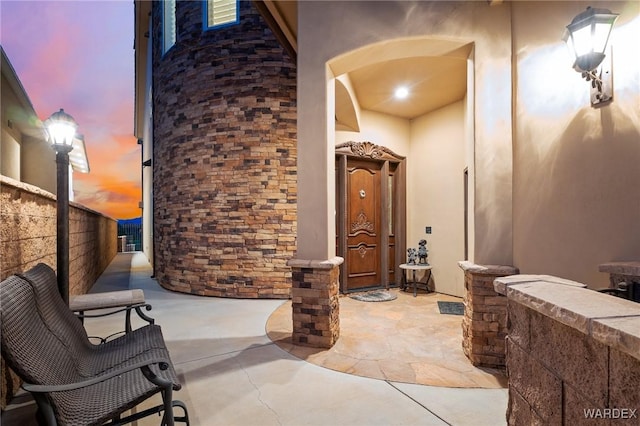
(573, 354)
(28, 237)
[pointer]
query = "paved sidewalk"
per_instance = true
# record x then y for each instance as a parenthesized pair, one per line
(233, 374)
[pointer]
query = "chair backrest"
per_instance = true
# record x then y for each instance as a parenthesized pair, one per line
(61, 321)
(29, 346)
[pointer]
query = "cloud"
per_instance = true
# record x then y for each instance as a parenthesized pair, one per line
(78, 55)
(116, 198)
(114, 184)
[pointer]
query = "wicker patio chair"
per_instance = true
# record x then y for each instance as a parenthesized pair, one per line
(62, 320)
(73, 381)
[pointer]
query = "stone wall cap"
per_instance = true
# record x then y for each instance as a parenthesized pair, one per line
(608, 319)
(5, 180)
(500, 284)
(622, 268)
(620, 333)
(487, 269)
(316, 264)
(35, 190)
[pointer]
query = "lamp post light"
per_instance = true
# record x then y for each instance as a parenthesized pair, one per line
(62, 130)
(587, 36)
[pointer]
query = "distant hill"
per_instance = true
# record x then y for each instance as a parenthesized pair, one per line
(134, 221)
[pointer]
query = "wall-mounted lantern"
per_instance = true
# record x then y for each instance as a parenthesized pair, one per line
(587, 36)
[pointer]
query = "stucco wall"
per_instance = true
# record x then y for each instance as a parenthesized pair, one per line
(10, 155)
(576, 168)
(10, 137)
(25, 154)
(147, 155)
(554, 180)
(38, 163)
(382, 129)
(435, 193)
(334, 29)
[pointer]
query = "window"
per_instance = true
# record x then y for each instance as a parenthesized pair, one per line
(168, 24)
(220, 13)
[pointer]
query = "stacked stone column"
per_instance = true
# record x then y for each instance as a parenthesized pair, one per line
(484, 324)
(314, 297)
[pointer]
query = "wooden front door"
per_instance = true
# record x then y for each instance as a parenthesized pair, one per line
(370, 212)
(363, 215)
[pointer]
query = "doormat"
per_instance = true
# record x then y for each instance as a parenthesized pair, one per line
(451, 308)
(374, 296)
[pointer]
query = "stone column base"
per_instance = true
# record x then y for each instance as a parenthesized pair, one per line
(314, 297)
(484, 325)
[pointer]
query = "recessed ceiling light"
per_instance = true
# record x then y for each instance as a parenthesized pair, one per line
(401, 92)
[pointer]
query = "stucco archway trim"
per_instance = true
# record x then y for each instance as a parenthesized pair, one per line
(399, 48)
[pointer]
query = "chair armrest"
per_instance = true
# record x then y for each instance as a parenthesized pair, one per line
(111, 299)
(163, 363)
(124, 301)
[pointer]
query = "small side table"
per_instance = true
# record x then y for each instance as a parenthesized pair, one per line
(413, 268)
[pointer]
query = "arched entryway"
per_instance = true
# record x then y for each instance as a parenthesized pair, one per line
(432, 129)
(339, 40)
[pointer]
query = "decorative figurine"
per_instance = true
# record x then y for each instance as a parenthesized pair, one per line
(412, 254)
(422, 252)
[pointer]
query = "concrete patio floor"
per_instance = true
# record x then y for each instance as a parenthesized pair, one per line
(233, 374)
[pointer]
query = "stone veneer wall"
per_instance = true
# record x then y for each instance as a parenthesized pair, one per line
(28, 237)
(484, 324)
(224, 157)
(315, 302)
(573, 354)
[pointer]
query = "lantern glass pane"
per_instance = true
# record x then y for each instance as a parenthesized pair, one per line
(600, 36)
(62, 133)
(582, 42)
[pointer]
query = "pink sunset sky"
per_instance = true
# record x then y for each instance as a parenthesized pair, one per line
(78, 55)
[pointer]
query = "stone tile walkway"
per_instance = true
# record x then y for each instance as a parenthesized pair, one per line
(404, 340)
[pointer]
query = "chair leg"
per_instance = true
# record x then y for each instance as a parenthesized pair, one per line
(185, 418)
(157, 410)
(167, 392)
(44, 415)
(167, 417)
